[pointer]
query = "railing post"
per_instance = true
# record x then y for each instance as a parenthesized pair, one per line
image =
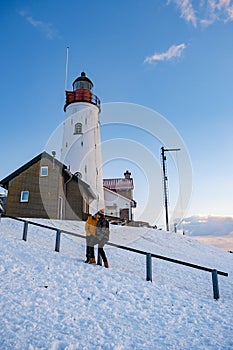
(58, 240)
(148, 267)
(25, 231)
(215, 284)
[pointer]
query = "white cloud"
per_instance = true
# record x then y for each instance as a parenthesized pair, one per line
(173, 51)
(223, 9)
(230, 13)
(205, 12)
(208, 225)
(45, 28)
(206, 22)
(187, 11)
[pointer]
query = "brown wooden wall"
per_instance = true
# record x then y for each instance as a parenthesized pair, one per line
(74, 203)
(43, 192)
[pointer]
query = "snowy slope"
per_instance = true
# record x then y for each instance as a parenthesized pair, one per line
(54, 301)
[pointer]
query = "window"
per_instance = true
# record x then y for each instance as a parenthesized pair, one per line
(24, 196)
(85, 205)
(44, 171)
(78, 128)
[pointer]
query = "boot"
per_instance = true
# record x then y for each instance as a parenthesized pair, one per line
(87, 259)
(92, 261)
(106, 264)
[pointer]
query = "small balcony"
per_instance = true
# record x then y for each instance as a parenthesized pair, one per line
(81, 95)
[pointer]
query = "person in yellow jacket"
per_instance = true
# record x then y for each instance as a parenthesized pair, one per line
(90, 228)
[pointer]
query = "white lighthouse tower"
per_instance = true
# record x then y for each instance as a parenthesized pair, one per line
(81, 146)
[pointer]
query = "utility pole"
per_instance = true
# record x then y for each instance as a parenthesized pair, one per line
(165, 181)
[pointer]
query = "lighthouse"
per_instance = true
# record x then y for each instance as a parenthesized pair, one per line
(81, 145)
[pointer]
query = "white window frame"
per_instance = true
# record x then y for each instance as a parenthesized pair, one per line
(60, 208)
(44, 168)
(23, 195)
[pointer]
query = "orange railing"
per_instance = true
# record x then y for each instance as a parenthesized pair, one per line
(81, 95)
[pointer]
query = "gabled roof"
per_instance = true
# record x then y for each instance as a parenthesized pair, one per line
(29, 164)
(83, 185)
(132, 201)
(118, 195)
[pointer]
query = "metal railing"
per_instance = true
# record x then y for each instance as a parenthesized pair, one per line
(149, 256)
(81, 95)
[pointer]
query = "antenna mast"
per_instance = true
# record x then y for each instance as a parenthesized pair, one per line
(165, 181)
(67, 58)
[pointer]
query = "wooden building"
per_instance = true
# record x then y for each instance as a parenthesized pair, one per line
(45, 188)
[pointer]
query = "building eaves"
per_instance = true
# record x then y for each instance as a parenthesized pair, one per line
(84, 186)
(118, 195)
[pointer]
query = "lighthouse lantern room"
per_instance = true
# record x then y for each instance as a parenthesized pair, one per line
(82, 92)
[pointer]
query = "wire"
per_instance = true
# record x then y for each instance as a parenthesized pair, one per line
(180, 193)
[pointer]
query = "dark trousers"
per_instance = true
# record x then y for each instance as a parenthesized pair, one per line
(102, 254)
(90, 252)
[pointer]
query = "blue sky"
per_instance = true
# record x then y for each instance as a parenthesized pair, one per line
(174, 57)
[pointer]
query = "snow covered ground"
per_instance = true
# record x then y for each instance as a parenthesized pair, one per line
(54, 301)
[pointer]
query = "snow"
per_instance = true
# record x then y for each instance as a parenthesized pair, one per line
(55, 301)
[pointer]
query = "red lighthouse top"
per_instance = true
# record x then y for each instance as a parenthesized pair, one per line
(82, 87)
